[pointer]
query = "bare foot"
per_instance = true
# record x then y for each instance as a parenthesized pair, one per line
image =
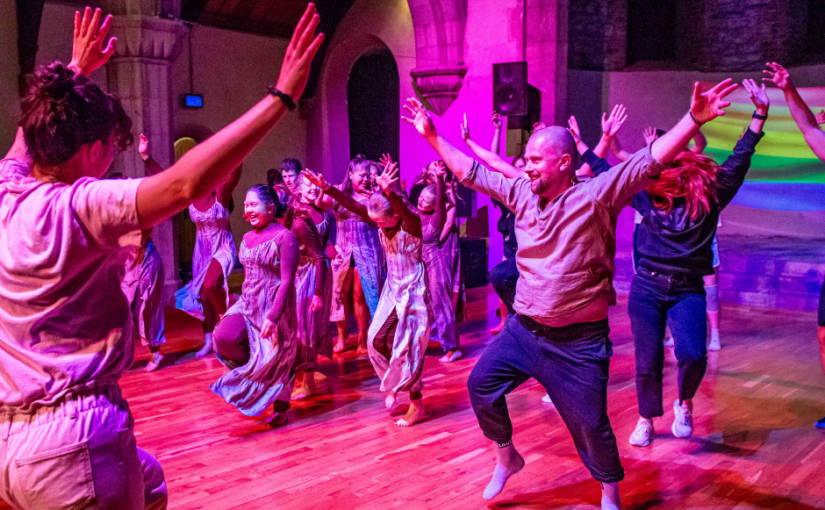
(276, 420)
(154, 363)
(362, 348)
(451, 356)
(508, 463)
(496, 330)
(414, 414)
(389, 402)
(340, 345)
(207, 346)
(306, 389)
(319, 376)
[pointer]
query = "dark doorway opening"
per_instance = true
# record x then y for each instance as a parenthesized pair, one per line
(373, 106)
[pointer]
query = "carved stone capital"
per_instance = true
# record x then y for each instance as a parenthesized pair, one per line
(147, 37)
(438, 86)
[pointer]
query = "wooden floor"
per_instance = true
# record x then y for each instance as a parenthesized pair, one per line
(754, 444)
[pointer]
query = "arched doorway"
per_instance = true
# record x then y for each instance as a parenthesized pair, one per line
(184, 228)
(373, 106)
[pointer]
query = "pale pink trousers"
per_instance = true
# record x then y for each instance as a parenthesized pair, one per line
(79, 454)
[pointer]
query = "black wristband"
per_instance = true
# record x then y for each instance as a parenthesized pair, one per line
(694, 118)
(756, 115)
(283, 96)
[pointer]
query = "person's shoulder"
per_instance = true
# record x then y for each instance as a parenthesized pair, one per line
(14, 168)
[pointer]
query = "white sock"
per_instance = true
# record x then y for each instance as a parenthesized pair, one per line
(714, 335)
(207, 337)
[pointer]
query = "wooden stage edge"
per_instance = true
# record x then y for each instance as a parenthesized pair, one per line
(754, 444)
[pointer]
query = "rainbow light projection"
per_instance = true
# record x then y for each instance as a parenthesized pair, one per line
(785, 174)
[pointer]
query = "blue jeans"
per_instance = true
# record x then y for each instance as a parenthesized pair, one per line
(657, 300)
(572, 363)
(504, 277)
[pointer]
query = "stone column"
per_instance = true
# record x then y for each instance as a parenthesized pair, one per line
(547, 56)
(140, 75)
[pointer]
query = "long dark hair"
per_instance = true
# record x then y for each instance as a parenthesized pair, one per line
(278, 198)
(62, 112)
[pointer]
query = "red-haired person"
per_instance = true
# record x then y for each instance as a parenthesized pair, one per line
(815, 138)
(681, 211)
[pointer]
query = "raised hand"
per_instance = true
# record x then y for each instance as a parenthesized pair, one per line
(465, 129)
(439, 170)
(573, 127)
(388, 177)
(143, 146)
(421, 119)
(299, 54)
(496, 118)
(777, 75)
(88, 53)
(650, 135)
(758, 95)
(706, 106)
(820, 117)
(384, 160)
(612, 123)
(316, 179)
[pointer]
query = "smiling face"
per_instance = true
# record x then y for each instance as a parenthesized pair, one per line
(361, 179)
(549, 161)
(308, 191)
(256, 211)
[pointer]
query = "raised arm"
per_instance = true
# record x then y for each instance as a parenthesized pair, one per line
(410, 221)
(152, 166)
(288, 252)
(491, 159)
(339, 196)
(458, 162)
(440, 198)
(225, 189)
(610, 126)
(88, 54)
(495, 147)
(699, 143)
(581, 147)
(704, 107)
(204, 167)
(802, 115)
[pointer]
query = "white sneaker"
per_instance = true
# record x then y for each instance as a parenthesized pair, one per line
(669, 342)
(643, 434)
(714, 344)
(682, 419)
(546, 399)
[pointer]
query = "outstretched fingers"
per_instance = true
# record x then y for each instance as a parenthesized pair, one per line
(300, 28)
(84, 24)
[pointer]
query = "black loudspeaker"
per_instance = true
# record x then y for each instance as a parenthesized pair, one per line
(474, 262)
(510, 88)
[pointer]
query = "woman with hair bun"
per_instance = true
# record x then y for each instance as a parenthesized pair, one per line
(359, 266)
(400, 329)
(256, 338)
(66, 333)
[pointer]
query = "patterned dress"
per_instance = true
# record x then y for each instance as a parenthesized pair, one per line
(357, 244)
(143, 287)
(213, 240)
(405, 293)
(314, 335)
(441, 261)
(268, 375)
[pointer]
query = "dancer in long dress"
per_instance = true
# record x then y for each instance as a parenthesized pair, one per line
(313, 284)
(438, 260)
(566, 235)
(206, 296)
(400, 330)
(65, 328)
(359, 265)
(143, 282)
(256, 338)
